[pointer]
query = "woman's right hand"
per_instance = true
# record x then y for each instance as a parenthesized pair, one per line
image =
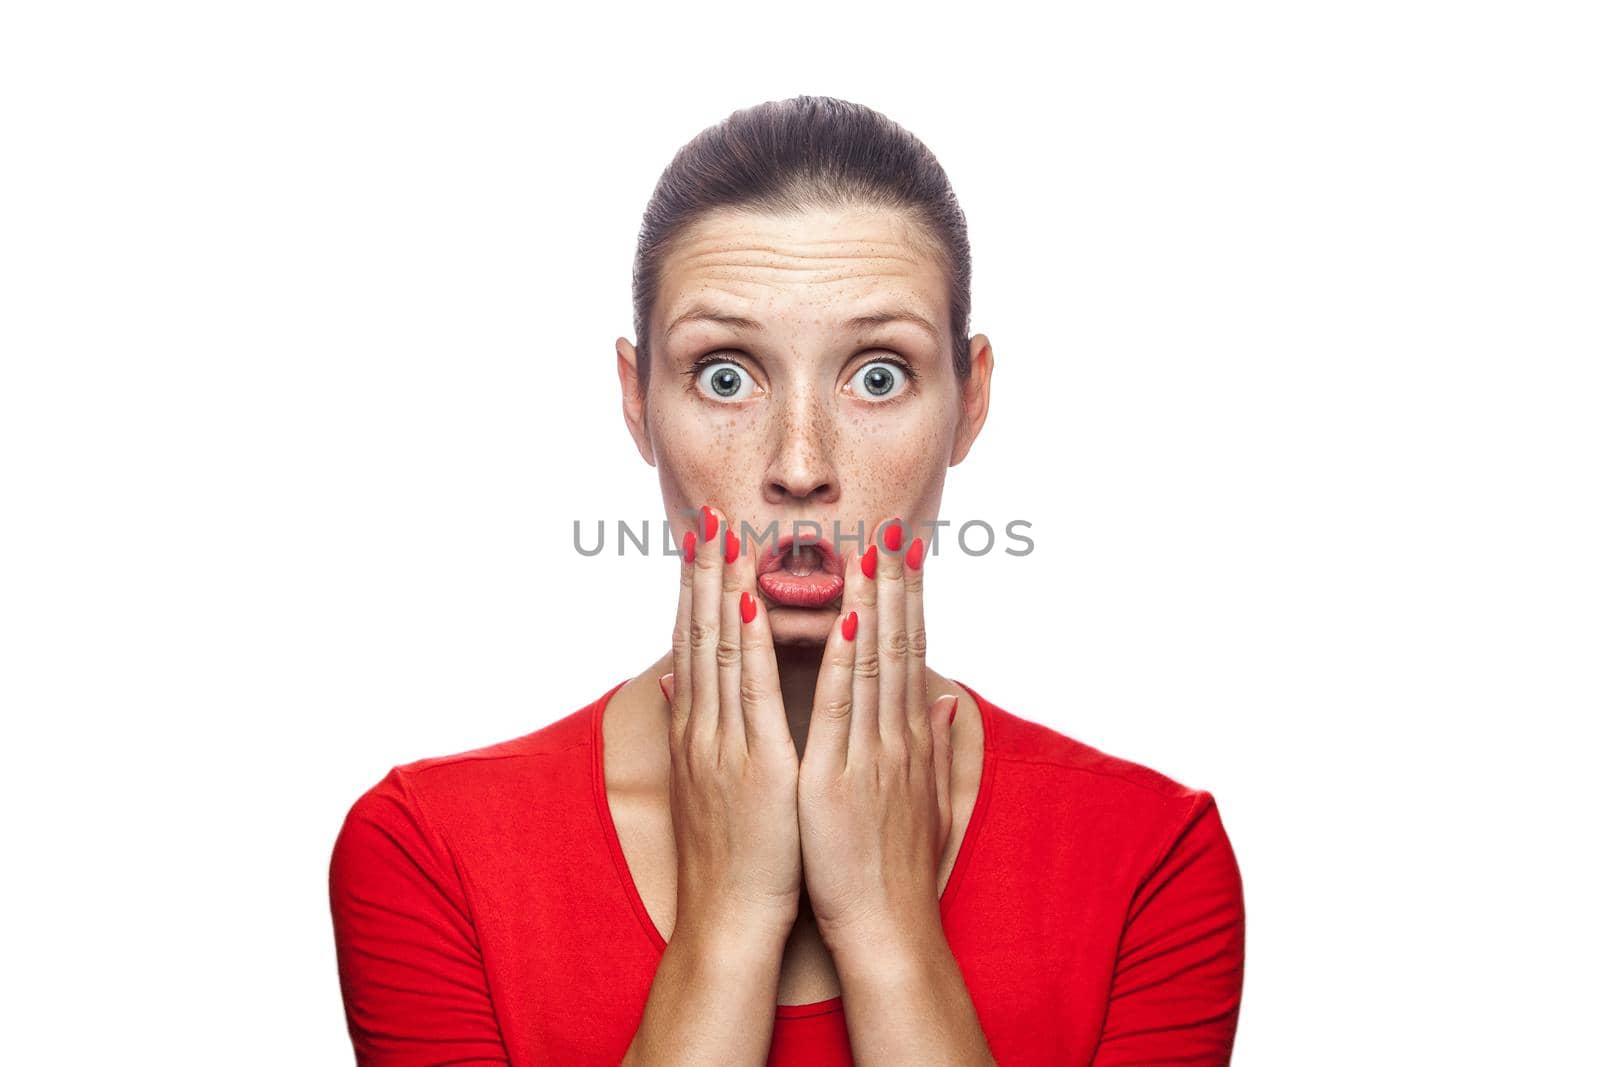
(735, 771)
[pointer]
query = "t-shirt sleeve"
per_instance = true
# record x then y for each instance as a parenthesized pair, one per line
(410, 970)
(1180, 968)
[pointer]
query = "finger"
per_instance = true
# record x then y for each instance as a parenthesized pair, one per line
(916, 638)
(832, 711)
(864, 737)
(942, 723)
(766, 727)
(705, 632)
(729, 668)
(894, 719)
(681, 642)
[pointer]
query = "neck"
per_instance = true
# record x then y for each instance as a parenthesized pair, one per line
(798, 667)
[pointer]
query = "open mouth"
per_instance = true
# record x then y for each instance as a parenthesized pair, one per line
(803, 575)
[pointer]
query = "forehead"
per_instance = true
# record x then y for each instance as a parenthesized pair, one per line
(822, 266)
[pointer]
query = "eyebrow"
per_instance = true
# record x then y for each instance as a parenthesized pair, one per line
(703, 313)
(894, 314)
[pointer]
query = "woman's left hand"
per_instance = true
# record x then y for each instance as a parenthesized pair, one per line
(874, 789)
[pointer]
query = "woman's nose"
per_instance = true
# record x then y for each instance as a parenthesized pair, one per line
(802, 458)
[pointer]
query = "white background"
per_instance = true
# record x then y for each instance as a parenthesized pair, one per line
(308, 315)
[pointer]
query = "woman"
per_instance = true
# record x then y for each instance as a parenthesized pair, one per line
(789, 840)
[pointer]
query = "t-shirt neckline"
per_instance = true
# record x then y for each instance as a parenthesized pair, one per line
(832, 1004)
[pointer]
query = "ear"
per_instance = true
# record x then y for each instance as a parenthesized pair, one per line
(633, 397)
(974, 398)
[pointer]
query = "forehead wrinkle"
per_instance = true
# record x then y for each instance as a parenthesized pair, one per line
(738, 283)
(849, 236)
(775, 259)
(871, 313)
(758, 261)
(779, 281)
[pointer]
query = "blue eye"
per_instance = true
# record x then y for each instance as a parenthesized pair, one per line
(881, 379)
(722, 379)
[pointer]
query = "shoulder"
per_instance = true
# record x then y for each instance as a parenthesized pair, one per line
(1122, 811)
(510, 779)
(1016, 739)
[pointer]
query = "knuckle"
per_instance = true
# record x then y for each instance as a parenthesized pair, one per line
(917, 641)
(702, 633)
(867, 665)
(727, 652)
(835, 708)
(894, 645)
(751, 692)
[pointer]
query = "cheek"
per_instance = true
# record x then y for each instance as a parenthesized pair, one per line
(704, 451)
(895, 459)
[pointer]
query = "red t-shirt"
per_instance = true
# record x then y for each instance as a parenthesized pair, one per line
(483, 911)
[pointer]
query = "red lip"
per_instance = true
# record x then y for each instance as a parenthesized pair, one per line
(772, 558)
(814, 590)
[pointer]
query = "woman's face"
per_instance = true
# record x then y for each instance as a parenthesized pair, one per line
(801, 371)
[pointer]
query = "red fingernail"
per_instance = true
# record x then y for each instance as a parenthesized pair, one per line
(747, 606)
(892, 535)
(848, 627)
(730, 546)
(710, 522)
(869, 561)
(688, 547)
(914, 554)
(953, 708)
